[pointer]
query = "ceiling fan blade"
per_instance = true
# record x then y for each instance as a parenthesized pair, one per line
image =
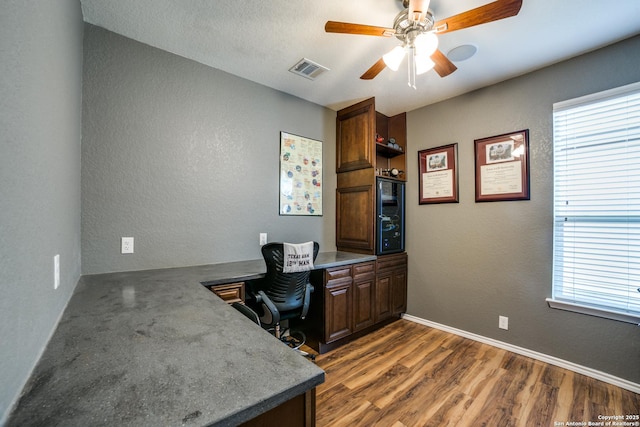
(367, 30)
(443, 66)
(374, 70)
(495, 11)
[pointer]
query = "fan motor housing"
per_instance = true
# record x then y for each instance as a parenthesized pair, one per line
(403, 26)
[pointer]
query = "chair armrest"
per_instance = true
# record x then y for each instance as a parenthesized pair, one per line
(307, 300)
(247, 311)
(270, 315)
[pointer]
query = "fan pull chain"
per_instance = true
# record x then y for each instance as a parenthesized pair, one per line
(411, 61)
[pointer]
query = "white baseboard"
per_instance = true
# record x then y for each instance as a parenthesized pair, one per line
(598, 375)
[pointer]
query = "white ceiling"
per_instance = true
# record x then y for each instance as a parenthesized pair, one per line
(260, 40)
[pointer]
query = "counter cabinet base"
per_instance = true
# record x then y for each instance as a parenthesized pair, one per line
(353, 300)
(297, 412)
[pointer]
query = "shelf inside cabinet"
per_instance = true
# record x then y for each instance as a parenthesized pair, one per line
(386, 151)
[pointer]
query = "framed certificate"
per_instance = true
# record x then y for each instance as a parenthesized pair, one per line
(502, 167)
(438, 174)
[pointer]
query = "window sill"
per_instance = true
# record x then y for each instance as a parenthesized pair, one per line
(594, 311)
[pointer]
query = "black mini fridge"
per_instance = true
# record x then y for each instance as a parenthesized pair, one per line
(390, 216)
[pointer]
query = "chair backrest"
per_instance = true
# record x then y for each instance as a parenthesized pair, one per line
(286, 290)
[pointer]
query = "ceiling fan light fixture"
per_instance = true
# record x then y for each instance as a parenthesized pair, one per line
(423, 64)
(418, 10)
(416, 19)
(394, 57)
(426, 43)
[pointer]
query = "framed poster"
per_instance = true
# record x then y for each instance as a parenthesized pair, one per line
(300, 175)
(502, 167)
(438, 174)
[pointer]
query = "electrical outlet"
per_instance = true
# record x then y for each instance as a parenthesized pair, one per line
(503, 322)
(127, 245)
(263, 239)
(56, 271)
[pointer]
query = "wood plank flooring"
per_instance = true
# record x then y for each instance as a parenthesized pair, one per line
(407, 374)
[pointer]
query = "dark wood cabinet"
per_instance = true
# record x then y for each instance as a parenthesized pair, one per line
(391, 284)
(357, 299)
(355, 136)
(359, 159)
(399, 289)
(383, 295)
(364, 296)
(396, 267)
(347, 305)
(349, 300)
(297, 412)
(364, 277)
(355, 211)
(357, 128)
(389, 157)
(338, 298)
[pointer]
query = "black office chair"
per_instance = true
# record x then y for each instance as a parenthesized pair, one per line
(247, 311)
(283, 296)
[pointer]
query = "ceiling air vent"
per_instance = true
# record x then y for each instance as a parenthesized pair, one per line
(307, 68)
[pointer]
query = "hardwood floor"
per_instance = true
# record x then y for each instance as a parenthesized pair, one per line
(408, 374)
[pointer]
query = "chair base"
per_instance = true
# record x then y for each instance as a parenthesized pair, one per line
(295, 340)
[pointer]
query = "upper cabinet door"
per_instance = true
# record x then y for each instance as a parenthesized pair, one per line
(355, 136)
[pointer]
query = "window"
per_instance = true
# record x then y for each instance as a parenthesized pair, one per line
(596, 242)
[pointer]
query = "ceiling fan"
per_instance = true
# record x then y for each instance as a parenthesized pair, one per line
(417, 29)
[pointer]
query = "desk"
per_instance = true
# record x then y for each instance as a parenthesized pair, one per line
(229, 282)
(255, 269)
(155, 347)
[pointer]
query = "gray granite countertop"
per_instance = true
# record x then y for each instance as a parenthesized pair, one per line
(155, 347)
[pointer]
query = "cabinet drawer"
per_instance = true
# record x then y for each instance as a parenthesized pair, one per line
(391, 261)
(338, 273)
(230, 292)
(363, 269)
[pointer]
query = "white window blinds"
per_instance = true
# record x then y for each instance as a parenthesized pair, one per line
(596, 260)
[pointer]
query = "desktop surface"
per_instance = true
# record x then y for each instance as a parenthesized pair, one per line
(155, 347)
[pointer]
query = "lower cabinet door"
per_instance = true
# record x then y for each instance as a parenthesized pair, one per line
(391, 286)
(363, 300)
(399, 290)
(338, 310)
(383, 295)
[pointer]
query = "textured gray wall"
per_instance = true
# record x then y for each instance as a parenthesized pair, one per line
(40, 124)
(471, 262)
(185, 159)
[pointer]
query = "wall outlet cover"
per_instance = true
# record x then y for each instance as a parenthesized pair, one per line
(56, 271)
(503, 322)
(127, 245)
